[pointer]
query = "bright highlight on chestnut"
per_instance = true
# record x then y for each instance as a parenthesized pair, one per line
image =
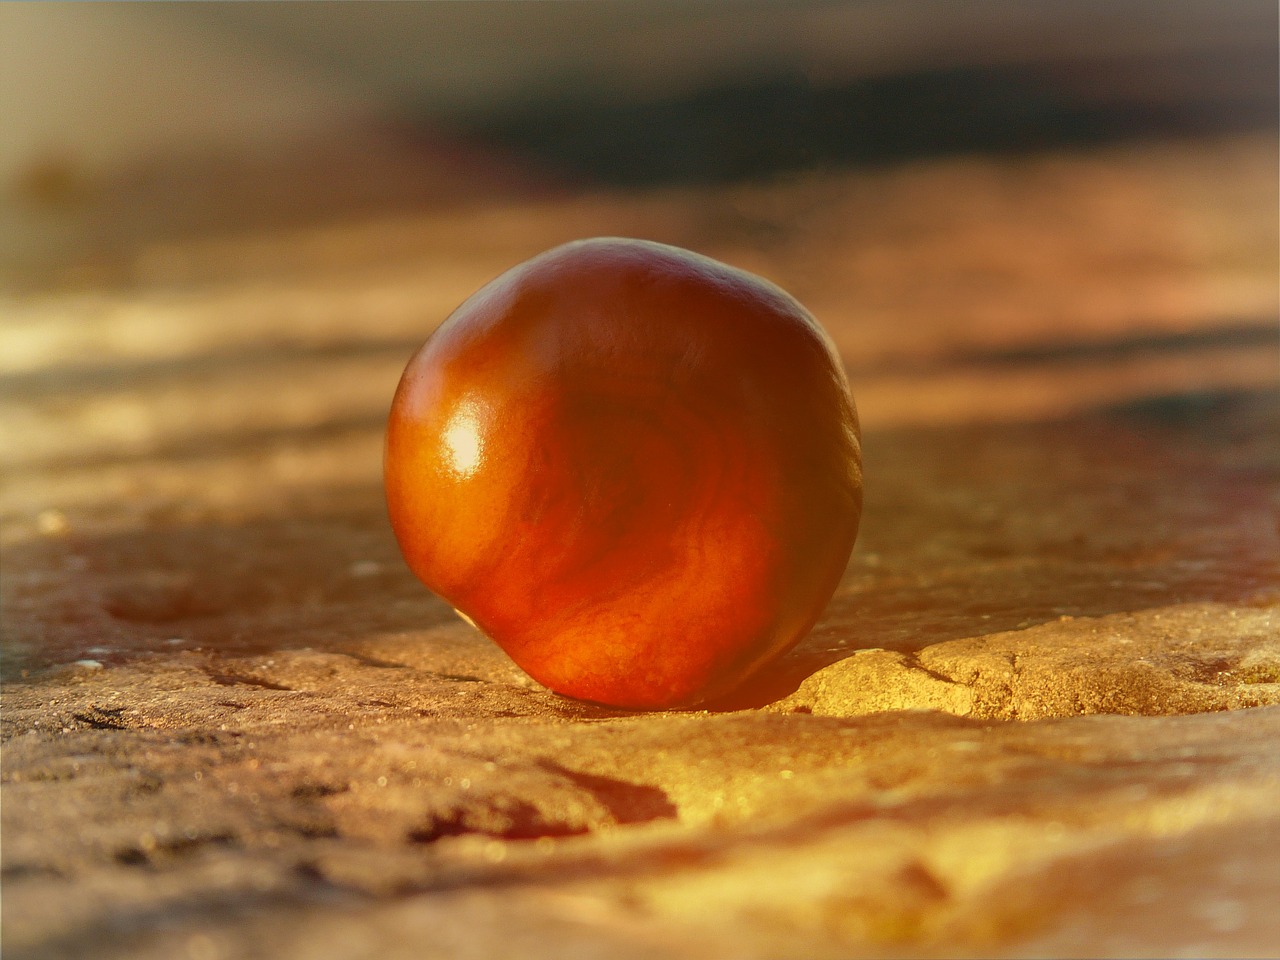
(635, 468)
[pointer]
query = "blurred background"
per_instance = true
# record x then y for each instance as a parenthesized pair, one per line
(634, 92)
(226, 226)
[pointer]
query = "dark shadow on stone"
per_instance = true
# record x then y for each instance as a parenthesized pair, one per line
(769, 126)
(515, 819)
(509, 817)
(626, 802)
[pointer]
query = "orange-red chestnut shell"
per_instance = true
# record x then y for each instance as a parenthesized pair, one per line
(635, 468)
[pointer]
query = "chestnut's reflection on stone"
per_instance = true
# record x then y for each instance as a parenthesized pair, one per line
(635, 468)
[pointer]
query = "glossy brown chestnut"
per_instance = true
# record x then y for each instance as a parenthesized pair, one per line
(637, 469)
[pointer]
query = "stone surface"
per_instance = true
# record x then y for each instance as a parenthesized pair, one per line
(1038, 718)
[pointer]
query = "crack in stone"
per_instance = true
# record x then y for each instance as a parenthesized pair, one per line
(102, 718)
(239, 679)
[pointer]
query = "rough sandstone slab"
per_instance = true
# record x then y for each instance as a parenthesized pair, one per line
(1039, 716)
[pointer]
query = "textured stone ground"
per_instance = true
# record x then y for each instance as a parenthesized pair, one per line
(1038, 718)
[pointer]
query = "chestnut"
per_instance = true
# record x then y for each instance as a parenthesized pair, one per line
(635, 468)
